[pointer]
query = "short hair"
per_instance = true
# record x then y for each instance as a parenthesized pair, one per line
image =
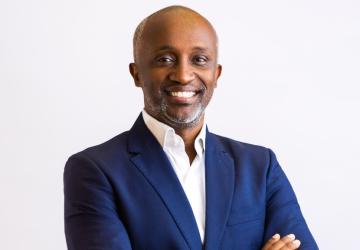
(139, 31)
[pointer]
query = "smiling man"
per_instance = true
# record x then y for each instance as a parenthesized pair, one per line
(175, 52)
(169, 183)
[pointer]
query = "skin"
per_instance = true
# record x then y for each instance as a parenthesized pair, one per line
(178, 52)
(287, 242)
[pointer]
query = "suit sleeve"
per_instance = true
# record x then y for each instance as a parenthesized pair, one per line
(283, 214)
(91, 218)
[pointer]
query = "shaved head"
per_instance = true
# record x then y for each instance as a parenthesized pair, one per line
(175, 64)
(167, 14)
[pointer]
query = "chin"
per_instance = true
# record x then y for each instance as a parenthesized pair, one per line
(185, 120)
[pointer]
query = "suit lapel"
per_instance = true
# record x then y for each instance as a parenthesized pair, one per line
(149, 157)
(219, 176)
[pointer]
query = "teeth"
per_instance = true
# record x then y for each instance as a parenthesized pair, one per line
(186, 94)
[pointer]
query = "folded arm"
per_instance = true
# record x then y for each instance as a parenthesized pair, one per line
(283, 214)
(91, 217)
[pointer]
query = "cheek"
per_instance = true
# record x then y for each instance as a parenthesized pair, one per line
(152, 82)
(149, 73)
(158, 74)
(150, 91)
(210, 82)
(209, 77)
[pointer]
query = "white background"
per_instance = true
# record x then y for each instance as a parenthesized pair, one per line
(290, 82)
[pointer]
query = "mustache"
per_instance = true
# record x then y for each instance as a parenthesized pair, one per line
(184, 88)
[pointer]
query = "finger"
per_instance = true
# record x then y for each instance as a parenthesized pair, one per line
(291, 245)
(283, 242)
(271, 241)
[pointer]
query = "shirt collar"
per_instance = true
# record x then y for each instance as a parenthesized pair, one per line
(167, 137)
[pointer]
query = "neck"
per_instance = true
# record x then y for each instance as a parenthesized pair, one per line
(189, 135)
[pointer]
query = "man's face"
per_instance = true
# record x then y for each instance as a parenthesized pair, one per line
(177, 69)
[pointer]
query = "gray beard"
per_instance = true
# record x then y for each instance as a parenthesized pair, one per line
(186, 122)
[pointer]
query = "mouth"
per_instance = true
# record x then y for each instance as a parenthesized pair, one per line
(184, 94)
(182, 97)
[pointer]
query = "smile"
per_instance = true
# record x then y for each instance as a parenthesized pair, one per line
(184, 94)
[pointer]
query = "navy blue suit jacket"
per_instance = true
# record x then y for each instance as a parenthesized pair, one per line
(124, 194)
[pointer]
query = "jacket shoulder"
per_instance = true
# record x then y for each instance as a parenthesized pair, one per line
(232, 145)
(113, 148)
(245, 152)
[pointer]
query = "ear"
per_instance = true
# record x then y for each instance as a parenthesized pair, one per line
(135, 74)
(218, 72)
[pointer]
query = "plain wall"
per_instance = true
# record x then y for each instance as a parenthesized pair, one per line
(290, 82)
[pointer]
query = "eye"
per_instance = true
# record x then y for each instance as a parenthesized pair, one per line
(200, 60)
(165, 59)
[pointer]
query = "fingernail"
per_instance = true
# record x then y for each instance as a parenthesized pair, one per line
(291, 236)
(276, 236)
(296, 243)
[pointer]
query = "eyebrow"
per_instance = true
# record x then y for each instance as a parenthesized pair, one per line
(166, 47)
(202, 49)
(169, 47)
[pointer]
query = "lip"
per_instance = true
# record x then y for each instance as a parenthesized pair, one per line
(182, 99)
(181, 89)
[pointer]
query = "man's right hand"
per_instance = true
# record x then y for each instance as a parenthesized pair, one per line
(286, 243)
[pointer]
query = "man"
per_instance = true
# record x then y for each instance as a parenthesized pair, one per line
(169, 183)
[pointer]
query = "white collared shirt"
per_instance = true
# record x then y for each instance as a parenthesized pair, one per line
(191, 177)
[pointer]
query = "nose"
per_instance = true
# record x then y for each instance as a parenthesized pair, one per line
(182, 73)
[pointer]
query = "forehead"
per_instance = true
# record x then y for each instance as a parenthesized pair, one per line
(179, 31)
